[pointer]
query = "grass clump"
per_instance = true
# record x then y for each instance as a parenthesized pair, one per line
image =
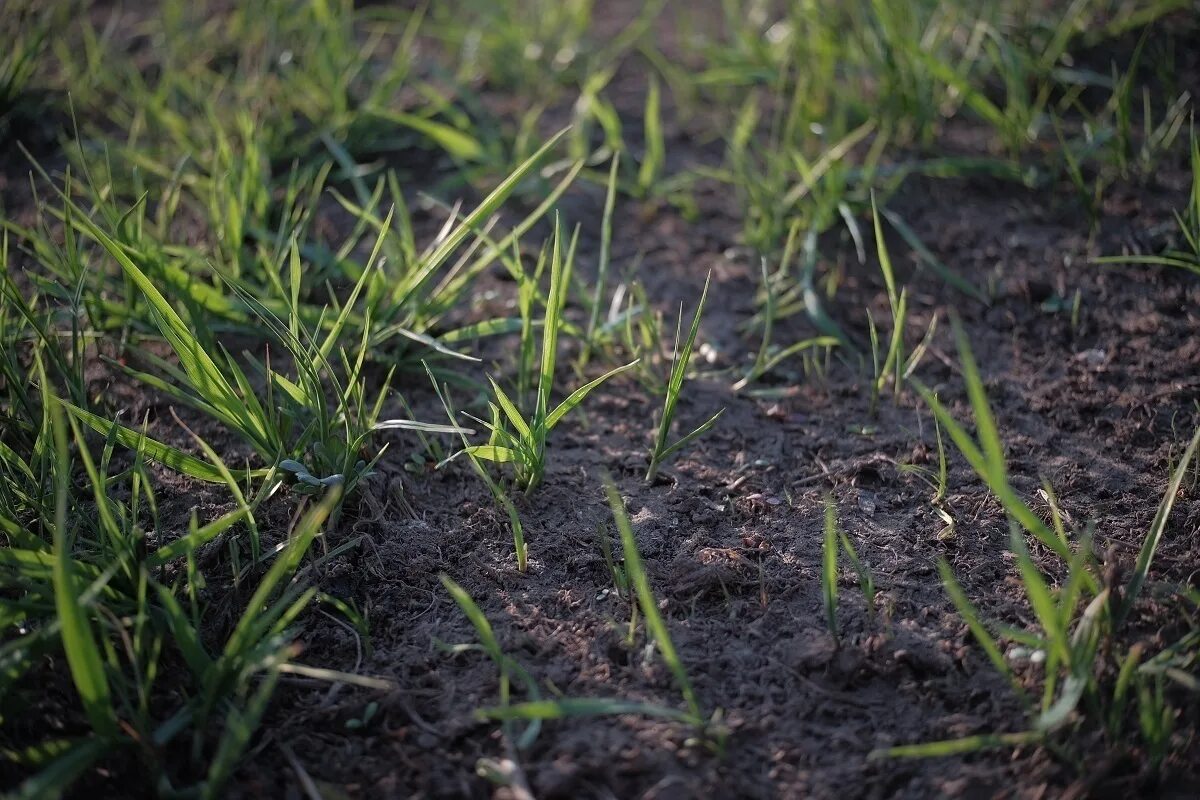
(519, 440)
(27, 27)
(84, 579)
(535, 710)
(834, 545)
(330, 436)
(663, 448)
(1187, 255)
(269, 216)
(1087, 677)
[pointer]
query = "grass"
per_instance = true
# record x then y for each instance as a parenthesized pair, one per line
(267, 231)
(898, 305)
(497, 491)
(1187, 257)
(656, 627)
(536, 710)
(1083, 665)
(835, 545)
(663, 448)
(514, 438)
(329, 435)
(30, 28)
(96, 578)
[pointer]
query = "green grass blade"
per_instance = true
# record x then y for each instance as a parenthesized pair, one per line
(154, 450)
(929, 259)
(885, 259)
(456, 143)
(555, 300)
(654, 621)
(510, 411)
(578, 707)
(997, 483)
(195, 538)
(699, 431)
(679, 366)
(985, 423)
(955, 747)
(478, 620)
(54, 779)
(1152, 261)
(79, 644)
(1157, 527)
(285, 564)
(576, 397)
(829, 568)
(967, 611)
(485, 209)
(865, 581)
(500, 496)
(414, 425)
(1040, 598)
(652, 162)
(812, 300)
(240, 725)
(492, 452)
(185, 635)
(610, 199)
(207, 379)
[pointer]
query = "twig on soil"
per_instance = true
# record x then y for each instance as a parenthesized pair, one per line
(306, 782)
(417, 719)
(506, 772)
(336, 687)
(843, 697)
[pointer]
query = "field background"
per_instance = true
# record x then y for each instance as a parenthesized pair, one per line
(293, 292)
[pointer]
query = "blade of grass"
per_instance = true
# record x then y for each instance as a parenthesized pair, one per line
(79, 644)
(1154, 536)
(645, 596)
(829, 568)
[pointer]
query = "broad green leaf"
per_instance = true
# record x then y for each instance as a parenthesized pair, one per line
(491, 452)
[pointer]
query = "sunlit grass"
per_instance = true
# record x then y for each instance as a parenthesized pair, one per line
(265, 221)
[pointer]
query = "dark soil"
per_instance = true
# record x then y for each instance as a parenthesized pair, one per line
(731, 533)
(731, 537)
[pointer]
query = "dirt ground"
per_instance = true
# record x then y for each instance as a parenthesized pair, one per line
(731, 532)
(731, 537)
